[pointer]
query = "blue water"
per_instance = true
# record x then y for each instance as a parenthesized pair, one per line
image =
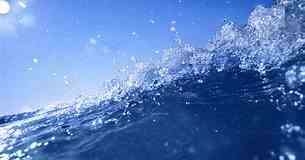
(239, 98)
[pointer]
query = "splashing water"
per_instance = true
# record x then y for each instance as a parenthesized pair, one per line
(241, 97)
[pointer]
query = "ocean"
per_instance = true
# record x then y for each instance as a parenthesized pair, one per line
(239, 98)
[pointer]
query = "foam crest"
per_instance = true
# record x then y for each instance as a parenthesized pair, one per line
(266, 42)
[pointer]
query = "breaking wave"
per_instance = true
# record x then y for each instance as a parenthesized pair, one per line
(241, 97)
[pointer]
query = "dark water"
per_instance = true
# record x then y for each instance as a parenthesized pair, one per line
(240, 98)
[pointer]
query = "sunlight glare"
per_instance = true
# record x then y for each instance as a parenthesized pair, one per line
(4, 7)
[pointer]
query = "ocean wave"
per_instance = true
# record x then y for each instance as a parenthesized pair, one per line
(241, 97)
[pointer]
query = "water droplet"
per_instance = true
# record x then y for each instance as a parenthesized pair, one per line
(200, 81)
(92, 41)
(151, 21)
(35, 60)
(173, 22)
(22, 4)
(134, 34)
(34, 145)
(173, 29)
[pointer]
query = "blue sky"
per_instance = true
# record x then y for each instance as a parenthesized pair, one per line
(52, 51)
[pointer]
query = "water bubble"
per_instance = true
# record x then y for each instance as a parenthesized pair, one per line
(302, 6)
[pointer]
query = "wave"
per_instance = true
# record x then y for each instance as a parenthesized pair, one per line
(241, 97)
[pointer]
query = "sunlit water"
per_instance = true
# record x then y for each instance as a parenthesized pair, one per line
(241, 97)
